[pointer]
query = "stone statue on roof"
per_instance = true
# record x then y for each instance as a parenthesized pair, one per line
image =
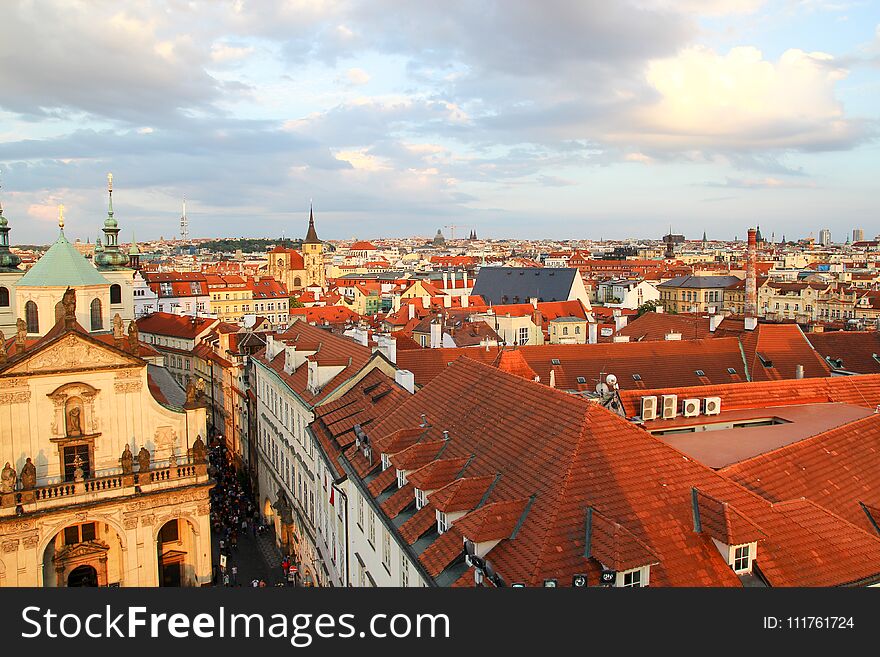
(28, 475)
(118, 328)
(3, 354)
(69, 303)
(20, 333)
(133, 337)
(8, 478)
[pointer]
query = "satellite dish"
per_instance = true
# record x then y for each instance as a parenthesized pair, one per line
(611, 380)
(602, 388)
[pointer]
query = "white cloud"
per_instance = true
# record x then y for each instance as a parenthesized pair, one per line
(741, 101)
(357, 76)
(222, 53)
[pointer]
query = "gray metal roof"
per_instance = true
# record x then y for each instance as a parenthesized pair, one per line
(701, 282)
(503, 285)
(175, 395)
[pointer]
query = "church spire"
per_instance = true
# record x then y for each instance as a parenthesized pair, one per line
(111, 256)
(312, 234)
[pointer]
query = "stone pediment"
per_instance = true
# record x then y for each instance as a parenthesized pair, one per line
(71, 352)
(80, 550)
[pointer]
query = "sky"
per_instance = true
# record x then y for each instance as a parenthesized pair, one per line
(519, 119)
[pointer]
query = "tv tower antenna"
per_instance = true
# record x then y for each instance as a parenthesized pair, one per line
(184, 224)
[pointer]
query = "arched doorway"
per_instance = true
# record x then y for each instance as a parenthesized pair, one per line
(175, 547)
(83, 576)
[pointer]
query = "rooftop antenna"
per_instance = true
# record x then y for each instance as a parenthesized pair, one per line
(184, 223)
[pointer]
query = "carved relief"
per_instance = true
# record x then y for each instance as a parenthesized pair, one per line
(166, 439)
(203, 509)
(70, 353)
(30, 542)
(130, 522)
(148, 520)
(10, 545)
(74, 410)
(128, 381)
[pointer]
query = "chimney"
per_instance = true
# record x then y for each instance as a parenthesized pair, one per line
(534, 302)
(621, 338)
(447, 301)
(464, 279)
(673, 336)
(426, 302)
(799, 372)
(388, 346)
(465, 300)
(552, 378)
(436, 333)
(620, 320)
(659, 310)
(411, 310)
(751, 305)
(714, 322)
(406, 380)
(593, 330)
(445, 281)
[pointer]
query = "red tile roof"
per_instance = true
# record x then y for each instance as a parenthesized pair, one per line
(857, 351)
(571, 454)
(177, 326)
(615, 546)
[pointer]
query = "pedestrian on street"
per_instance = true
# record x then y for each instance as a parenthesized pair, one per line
(235, 575)
(225, 579)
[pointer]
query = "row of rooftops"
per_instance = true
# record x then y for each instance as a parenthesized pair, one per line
(549, 485)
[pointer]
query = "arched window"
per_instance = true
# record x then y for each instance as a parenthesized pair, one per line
(577, 330)
(564, 330)
(32, 317)
(297, 282)
(4, 297)
(97, 315)
(115, 294)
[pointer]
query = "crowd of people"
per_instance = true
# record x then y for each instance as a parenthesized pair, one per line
(234, 513)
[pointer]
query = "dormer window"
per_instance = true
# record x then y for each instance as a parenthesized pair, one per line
(386, 462)
(401, 478)
(442, 522)
(742, 561)
(632, 578)
(421, 498)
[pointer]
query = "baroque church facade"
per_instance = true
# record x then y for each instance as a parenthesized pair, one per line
(104, 481)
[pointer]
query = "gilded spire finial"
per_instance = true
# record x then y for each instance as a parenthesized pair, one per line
(109, 182)
(61, 216)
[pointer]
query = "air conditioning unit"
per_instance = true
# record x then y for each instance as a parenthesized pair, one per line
(690, 407)
(649, 408)
(670, 406)
(712, 405)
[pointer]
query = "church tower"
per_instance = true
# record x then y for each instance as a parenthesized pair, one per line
(313, 255)
(113, 263)
(9, 275)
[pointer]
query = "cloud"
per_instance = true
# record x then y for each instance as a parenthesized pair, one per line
(740, 101)
(761, 183)
(223, 53)
(357, 76)
(97, 59)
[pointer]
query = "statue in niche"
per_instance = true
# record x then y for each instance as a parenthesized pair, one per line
(126, 460)
(144, 460)
(8, 478)
(74, 421)
(20, 333)
(198, 451)
(28, 475)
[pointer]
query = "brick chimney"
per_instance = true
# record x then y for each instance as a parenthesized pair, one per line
(751, 305)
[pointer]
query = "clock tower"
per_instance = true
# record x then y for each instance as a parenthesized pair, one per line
(313, 255)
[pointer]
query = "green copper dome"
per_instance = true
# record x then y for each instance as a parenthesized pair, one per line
(8, 260)
(62, 266)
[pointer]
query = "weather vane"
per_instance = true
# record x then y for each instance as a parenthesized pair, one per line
(61, 216)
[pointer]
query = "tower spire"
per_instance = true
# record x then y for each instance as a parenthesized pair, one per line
(61, 216)
(311, 234)
(184, 223)
(8, 260)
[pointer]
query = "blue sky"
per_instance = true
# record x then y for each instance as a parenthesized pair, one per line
(520, 119)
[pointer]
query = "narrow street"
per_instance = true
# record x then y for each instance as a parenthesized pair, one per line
(252, 553)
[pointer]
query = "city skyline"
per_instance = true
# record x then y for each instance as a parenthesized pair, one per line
(579, 123)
